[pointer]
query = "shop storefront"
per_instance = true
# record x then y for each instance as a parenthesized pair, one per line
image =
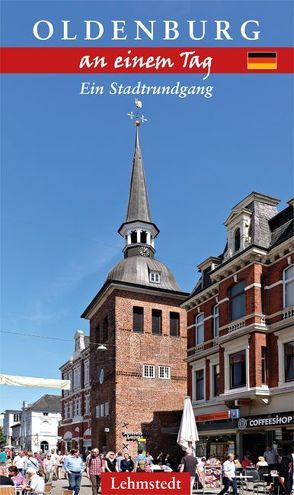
(247, 435)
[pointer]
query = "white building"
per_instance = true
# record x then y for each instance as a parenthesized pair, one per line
(11, 418)
(39, 423)
(36, 426)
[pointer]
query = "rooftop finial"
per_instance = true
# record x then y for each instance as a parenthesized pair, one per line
(139, 118)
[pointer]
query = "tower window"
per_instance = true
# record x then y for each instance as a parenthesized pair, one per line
(148, 371)
(134, 237)
(155, 277)
(143, 237)
(156, 322)
(105, 329)
(138, 319)
(237, 240)
(174, 324)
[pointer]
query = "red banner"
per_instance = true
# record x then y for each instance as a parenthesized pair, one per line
(159, 483)
(191, 60)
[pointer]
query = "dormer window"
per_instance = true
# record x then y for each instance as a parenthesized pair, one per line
(237, 240)
(154, 277)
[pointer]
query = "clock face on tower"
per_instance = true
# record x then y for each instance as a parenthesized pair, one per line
(144, 251)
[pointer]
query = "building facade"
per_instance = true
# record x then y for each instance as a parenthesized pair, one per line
(35, 427)
(137, 337)
(240, 334)
(10, 418)
(75, 427)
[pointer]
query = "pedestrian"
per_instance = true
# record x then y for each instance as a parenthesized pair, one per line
(16, 476)
(119, 458)
(19, 462)
(31, 462)
(74, 466)
(149, 458)
(271, 457)
(160, 457)
(140, 461)
(127, 464)
(94, 469)
(189, 465)
(4, 479)
(110, 462)
(49, 468)
(36, 483)
(229, 473)
(3, 456)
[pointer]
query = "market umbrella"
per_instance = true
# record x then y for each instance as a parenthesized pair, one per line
(188, 434)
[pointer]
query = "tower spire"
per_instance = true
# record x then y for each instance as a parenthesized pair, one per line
(138, 229)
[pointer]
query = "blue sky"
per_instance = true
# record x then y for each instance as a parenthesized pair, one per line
(66, 163)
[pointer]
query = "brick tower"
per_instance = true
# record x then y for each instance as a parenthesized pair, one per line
(137, 338)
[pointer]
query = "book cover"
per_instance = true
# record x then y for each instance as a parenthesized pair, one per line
(202, 92)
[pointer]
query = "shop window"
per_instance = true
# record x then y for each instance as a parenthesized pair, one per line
(288, 281)
(238, 369)
(215, 380)
(237, 301)
(156, 322)
(200, 329)
(264, 366)
(289, 361)
(199, 385)
(138, 319)
(215, 321)
(174, 324)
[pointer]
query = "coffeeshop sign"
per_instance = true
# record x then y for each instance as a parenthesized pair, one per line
(273, 420)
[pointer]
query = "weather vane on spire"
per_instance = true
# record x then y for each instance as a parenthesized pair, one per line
(139, 118)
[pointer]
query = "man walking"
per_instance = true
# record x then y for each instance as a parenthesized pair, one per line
(188, 465)
(74, 466)
(94, 469)
(271, 458)
(229, 473)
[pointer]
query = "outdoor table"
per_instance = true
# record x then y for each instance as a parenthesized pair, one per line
(242, 478)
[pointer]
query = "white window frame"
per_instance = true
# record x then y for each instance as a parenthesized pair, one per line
(215, 318)
(231, 348)
(213, 361)
(165, 371)
(77, 377)
(197, 325)
(285, 282)
(155, 277)
(284, 336)
(201, 365)
(106, 408)
(148, 371)
(87, 405)
(86, 372)
(70, 409)
(98, 411)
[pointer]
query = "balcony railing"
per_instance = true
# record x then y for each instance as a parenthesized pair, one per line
(236, 325)
(288, 313)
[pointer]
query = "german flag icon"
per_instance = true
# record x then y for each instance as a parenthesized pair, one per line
(262, 60)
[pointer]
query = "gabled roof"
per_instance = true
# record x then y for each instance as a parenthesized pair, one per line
(47, 403)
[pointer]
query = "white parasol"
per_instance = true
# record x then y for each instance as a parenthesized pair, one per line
(188, 434)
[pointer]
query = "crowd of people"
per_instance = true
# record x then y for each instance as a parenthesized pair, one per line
(30, 471)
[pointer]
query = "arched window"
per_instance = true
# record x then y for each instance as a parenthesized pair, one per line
(200, 329)
(237, 301)
(133, 237)
(143, 237)
(44, 446)
(237, 240)
(105, 329)
(288, 282)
